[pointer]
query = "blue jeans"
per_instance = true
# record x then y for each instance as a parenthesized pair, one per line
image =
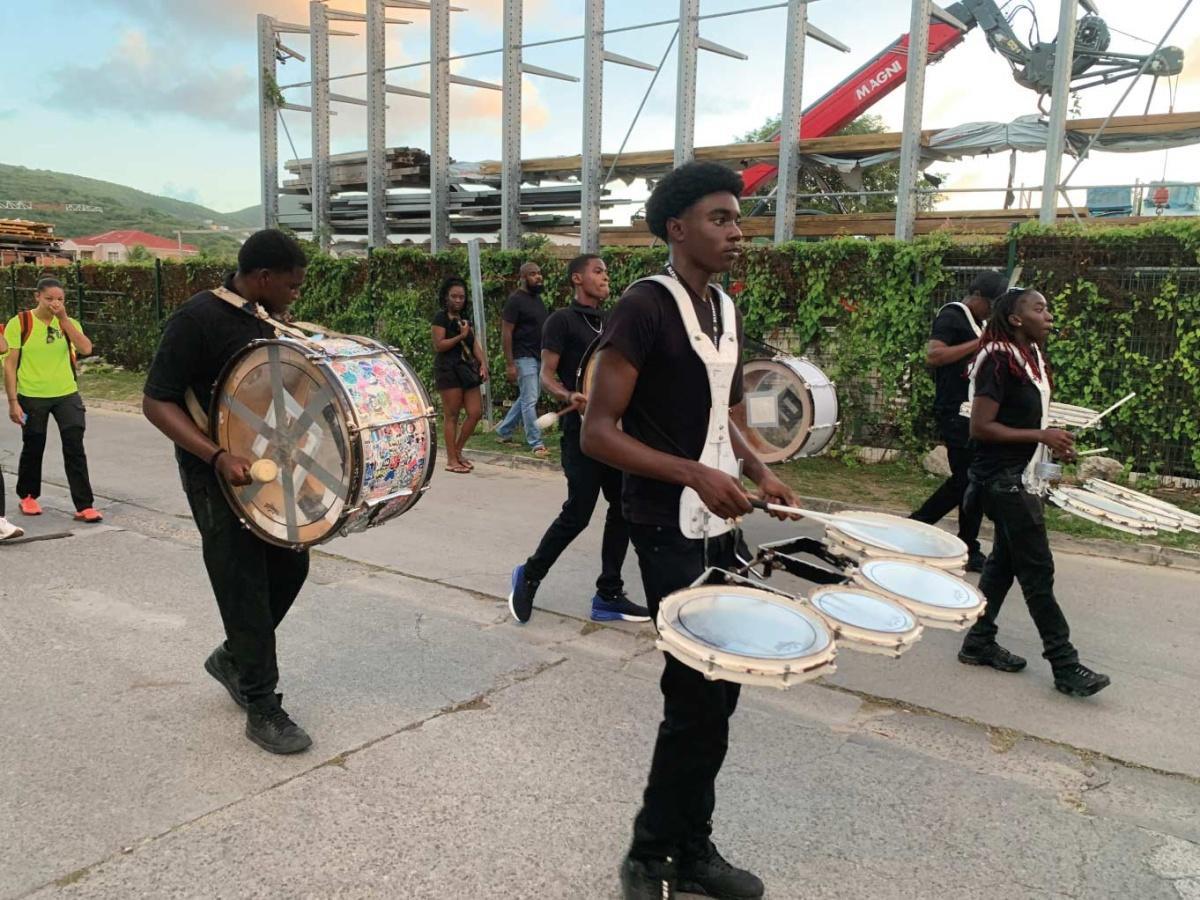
(526, 406)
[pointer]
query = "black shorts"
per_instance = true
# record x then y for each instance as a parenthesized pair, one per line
(452, 379)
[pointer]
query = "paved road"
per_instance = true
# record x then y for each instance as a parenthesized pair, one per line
(459, 755)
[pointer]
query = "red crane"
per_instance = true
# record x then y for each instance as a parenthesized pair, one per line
(1032, 68)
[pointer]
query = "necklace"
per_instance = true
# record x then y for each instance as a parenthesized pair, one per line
(588, 319)
(712, 307)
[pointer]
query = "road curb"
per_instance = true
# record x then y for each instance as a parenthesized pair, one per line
(1141, 554)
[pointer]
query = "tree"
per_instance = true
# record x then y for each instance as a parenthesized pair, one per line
(877, 178)
(138, 254)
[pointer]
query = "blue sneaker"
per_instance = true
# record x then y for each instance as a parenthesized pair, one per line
(622, 609)
(520, 598)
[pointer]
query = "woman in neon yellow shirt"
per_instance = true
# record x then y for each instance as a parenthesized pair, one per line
(39, 378)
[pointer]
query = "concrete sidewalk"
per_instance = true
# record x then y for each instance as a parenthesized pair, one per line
(457, 754)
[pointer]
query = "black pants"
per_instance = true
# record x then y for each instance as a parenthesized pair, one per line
(952, 493)
(68, 413)
(254, 583)
(1021, 549)
(586, 479)
(676, 815)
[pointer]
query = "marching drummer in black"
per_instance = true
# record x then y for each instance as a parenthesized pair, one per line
(566, 337)
(1011, 379)
(254, 582)
(953, 343)
(648, 415)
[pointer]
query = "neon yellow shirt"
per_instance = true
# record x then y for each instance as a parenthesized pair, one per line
(45, 366)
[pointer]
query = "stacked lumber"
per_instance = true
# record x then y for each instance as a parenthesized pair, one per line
(406, 167)
(31, 235)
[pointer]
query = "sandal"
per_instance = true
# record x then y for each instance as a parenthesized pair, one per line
(466, 462)
(458, 469)
(541, 452)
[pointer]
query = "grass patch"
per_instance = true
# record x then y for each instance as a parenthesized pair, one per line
(100, 381)
(487, 441)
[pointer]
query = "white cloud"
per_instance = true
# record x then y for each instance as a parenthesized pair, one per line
(144, 82)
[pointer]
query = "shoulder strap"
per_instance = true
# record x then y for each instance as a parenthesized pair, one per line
(966, 312)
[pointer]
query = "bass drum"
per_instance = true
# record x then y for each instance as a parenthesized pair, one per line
(789, 408)
(348, 424)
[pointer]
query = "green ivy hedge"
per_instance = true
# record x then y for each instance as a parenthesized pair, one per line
(1126, 301)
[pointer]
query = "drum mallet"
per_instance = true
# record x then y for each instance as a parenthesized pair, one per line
(823, 518)
(1091, 422)
(264, 470)
(550, 419)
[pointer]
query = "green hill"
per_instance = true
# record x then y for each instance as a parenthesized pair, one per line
(124, 207)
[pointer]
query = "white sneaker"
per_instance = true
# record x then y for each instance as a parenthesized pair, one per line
(8, 530)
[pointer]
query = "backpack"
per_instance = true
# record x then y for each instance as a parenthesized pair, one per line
(26, 318)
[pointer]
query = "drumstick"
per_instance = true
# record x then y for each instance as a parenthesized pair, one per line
(548, 420)
(264, 470)
(824, 518)
(1091, 452)
(1099, 416)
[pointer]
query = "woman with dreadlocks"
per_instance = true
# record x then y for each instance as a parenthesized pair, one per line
(1010, 381)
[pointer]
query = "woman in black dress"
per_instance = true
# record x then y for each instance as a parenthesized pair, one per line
(459, 370)
(1012, 383)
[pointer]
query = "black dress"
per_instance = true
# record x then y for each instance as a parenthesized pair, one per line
(456, 367)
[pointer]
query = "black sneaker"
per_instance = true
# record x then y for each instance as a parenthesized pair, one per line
(992, 655)
(520, 598)
(711, 875)
(975, 561)
(618, 609)
(1079, 681)
(273, 729)
(647, 879)
(220, 665)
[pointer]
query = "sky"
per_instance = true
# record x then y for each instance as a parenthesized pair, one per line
(161, 94)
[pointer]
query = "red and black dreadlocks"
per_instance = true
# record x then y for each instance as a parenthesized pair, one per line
(1000, 331)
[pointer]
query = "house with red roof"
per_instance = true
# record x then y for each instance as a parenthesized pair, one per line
(114, 246)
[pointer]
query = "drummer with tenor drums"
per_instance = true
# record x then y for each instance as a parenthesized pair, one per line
(254, 582)
(1010, 407)
(952, 345)
(667, 371)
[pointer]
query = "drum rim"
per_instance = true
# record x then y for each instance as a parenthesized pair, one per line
(720, 659)
(895, 521)
(922, 610)
(353, 444)
(851, 632)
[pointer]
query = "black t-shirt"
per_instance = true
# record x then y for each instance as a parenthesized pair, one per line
(527, 314)
(462, 350)
(1020, 407)
(569, 332)
(199, 338)
(670, 404)
(950, 381)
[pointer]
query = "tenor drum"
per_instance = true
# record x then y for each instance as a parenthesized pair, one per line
(746, 635)
(936, 597)
(1189, 521)
(860, 536)
(864, 620)
(791, 408)
(1112, 513)
(346, 420)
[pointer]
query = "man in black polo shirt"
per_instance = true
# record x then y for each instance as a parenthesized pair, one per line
(521, 330)
(953, 343)
(254, 582)
(565, 339)
(648, 416)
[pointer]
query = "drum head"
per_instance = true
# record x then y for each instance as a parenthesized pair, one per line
(935, 596)
(746, 635)
(778, 409)
(1138, 500)
(273, 403)
(896, 535)
(864, 610)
